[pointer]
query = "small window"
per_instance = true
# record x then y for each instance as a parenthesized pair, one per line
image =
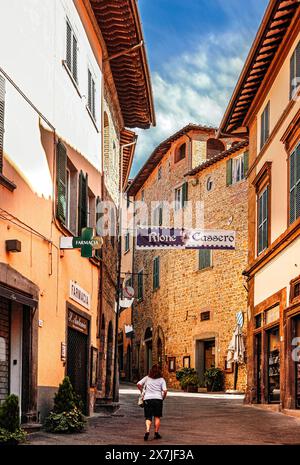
(127, 242)
(181, 196)
(258, 321)
(295, 72)
(205, 259)
(91, 95)
(205, 316)
(295, 289)
(180, 153)
(71, 52)
(142, 196)
(140, 278)
(156, 273)
(236, 168)
(158, 216)
(209, 184)
(263, 220)
(265, 125)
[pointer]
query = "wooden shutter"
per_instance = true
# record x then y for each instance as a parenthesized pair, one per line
(204, 259)
(61, 181)
(292, 186)
(2, 109)
(156, 273)
(89, 90)
(74, 70)
(98, 252)
(229, 172)
(295, 70)
(297, 194)
(82, 202)
(184, 194)
(246, 163)
(263, 220)
(69, 47)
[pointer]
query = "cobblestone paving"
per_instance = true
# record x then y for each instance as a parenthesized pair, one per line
(188, 419)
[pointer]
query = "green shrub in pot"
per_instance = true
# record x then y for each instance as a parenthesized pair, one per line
(214, 379)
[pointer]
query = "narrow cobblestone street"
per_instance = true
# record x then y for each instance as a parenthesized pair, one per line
(188, 419)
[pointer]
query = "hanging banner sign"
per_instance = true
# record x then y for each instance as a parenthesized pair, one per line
(79, 295)
(170, 238)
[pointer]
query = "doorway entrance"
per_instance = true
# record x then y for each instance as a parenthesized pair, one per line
(77, 355)
(273, 358)
(109, 360)
(205, 356)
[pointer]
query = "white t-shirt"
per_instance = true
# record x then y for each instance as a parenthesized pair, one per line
(154, 387)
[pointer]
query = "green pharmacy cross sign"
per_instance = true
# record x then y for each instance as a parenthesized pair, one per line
(87, 242)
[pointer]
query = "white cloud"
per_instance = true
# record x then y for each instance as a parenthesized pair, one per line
(193, 88)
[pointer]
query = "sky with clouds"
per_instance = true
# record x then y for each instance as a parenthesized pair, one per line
(196, 50)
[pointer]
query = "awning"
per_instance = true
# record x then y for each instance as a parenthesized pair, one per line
(17, 296)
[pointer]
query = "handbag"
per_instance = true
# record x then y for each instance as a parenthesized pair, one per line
(141, 402)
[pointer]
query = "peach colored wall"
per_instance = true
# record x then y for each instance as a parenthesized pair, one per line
(46, 267)
(270, 279)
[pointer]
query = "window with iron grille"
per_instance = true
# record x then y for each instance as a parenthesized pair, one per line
(265, 125)
(91, 95)
(205, 316)
(205, 259)
(71, 51)
(294, 166)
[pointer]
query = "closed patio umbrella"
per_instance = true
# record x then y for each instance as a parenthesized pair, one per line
(236, 351)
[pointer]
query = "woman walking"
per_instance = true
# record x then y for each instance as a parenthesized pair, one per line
(155, 391)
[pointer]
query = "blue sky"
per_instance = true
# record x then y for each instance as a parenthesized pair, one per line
(196, 50)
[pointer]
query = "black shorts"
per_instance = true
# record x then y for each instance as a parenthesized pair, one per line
(153, 408)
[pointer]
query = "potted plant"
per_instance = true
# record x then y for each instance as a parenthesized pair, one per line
(66, 416)
(10, 430)
(214, 379)
(188, 379)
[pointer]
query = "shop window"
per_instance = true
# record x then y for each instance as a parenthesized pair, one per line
(180, 153)
(273, 365)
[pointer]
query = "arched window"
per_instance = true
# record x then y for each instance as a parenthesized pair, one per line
(214, 147)
(180, 153)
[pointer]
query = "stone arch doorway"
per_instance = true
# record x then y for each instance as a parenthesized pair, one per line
(148, 349)
(109, 359)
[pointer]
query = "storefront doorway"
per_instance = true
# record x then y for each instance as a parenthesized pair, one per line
(296, 334)
(205, 356)
(77, 355)
(109, 360)
(273, 363)
(258, 367)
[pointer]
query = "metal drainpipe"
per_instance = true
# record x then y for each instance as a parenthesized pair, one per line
(119, 264)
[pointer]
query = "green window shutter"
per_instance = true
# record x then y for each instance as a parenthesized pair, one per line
(61, 181)
(204, 259)
(75, 69)
(2, 110)
(82, 202)
(246, 163)
(157, 273)
(229, 172)
(69, 47)
(184, 193)
(292, 162)
(263, 220)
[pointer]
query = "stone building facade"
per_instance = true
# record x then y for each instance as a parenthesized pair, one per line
(189, 316)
